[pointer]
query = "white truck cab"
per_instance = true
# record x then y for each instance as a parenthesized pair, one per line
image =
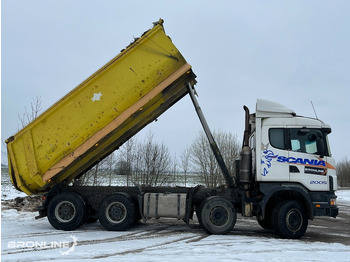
(292, 172)
(291, 148)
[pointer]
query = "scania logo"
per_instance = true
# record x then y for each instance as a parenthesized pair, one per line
(302, 161)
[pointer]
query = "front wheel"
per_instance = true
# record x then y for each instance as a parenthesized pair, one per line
(67, 211)
(289, 219)
(116, 212)
(217, 215)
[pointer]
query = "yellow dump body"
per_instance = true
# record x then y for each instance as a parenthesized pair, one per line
(100, 114)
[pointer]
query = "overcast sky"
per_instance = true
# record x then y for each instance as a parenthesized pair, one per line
(292, 52)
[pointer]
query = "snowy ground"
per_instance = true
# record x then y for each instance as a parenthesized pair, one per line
(25, 239)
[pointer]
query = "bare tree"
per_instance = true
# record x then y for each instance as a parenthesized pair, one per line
(185, 162)
(145, 162)
(230, 148)
(95, 174)
(204, 161)
(26, 117)
(31, 114)
(154, 163)
(126, 158)
(343, 172)
(100, 174)
(109, 164)
(174, 172)
(91, 177)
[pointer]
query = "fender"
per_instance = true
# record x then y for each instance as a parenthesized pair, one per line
(270, 189)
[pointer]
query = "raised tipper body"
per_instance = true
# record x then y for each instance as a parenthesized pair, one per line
(100, 114)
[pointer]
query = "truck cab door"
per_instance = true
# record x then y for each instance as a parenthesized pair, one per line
(273, 165)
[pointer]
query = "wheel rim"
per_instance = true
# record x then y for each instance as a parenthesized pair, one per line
(219, 216)
(116, 212)
(65, 211)
(294, 219)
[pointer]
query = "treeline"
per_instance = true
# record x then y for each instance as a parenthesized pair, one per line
(149, 162)
(343, 173)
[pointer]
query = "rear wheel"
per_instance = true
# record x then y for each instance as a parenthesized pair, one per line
(289, 219)
(217, 215)
(116, 212)
(66, 211)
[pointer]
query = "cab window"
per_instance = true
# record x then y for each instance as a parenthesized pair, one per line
(305, 140)
(277, 138)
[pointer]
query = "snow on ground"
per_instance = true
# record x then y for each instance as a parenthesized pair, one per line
(9, 192)
(25, 239)
(343, 196)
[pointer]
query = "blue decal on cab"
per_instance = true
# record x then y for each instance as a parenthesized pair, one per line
(266, 159)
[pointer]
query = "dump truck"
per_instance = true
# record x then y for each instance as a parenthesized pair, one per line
(284, 177)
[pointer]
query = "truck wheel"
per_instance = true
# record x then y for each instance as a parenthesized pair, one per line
(116, 212)
(217, 215)
(66, 211)
(289, 219)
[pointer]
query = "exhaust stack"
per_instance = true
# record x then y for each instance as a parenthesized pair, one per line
(246, 153)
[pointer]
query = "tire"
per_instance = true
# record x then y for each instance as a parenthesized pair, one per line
(67, 211)
(289, 219)
(116, 212)
(217, 215)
